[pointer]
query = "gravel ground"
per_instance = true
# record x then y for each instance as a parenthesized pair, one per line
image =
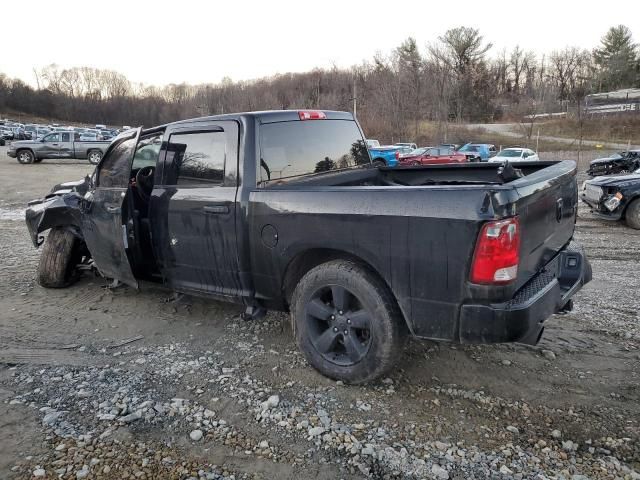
(199, 393)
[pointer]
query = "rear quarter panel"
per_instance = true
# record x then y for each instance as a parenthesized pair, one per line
(419, 240)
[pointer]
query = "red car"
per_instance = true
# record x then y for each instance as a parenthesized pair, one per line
(432, 155)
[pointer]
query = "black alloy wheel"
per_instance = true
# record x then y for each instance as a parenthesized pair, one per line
(339, 326)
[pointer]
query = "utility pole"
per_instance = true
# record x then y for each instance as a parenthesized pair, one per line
(355, 101)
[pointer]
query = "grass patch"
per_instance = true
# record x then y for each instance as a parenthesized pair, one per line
(606, 129)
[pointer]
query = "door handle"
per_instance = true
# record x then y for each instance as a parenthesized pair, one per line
(217, 208)
(112, 209)
(54, 144)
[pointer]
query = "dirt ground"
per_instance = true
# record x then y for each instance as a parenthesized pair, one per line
(199, 393)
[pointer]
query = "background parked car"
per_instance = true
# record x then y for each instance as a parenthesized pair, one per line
(515, 154)
(387, 155)
(6, 133)
(19, 133)
(622, 162)
(434, 155)
(415, 152)
(412, 146)
(453, 146)
(372, 143)
(483, 151)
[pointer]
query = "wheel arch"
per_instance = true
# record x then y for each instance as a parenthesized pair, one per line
(634, 198)
(22, 149)
(57, 213)
(310, 258)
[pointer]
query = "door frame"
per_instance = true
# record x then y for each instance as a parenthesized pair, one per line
(163, 193)
(117, 265)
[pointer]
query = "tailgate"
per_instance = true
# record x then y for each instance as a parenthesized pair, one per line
(547, 208)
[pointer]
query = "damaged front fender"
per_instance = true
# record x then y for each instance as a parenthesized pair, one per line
(61, 208)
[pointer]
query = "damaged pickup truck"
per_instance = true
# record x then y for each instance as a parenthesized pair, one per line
(284, 210)
(615, 197)
(617, 164)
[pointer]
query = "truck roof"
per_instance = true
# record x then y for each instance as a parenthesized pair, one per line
(266, 116)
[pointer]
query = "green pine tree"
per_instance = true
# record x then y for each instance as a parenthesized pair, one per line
(617, 59)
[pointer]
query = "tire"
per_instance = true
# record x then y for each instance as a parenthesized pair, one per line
(632, 214)
(37, 160)
(94, 157)
(324, 308)
(60, 255)
(415, 164)
(2, 142)
(378, 162)
(25, 156)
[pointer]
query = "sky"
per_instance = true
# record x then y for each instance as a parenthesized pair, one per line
(161, 42)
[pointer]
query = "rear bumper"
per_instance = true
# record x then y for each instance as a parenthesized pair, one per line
(522, 318)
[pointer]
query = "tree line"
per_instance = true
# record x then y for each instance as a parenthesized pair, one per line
(458, 78)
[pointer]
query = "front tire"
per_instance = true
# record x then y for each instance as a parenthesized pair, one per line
(25, 156)
(346, 322)
(632, 215)
(94, 157)
(59, 258)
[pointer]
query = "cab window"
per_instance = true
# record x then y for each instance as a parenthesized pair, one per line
(197, 158)
(54, 137)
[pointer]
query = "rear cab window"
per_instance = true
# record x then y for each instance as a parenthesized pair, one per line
(300, 148)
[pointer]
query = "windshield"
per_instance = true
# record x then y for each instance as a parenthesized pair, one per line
(510, 153)
(289, 149)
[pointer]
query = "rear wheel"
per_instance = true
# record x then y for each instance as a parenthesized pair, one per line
(2, 142)
(347, 323)
(378, 162)
(25, 156)
(632, 215)
(60, 256)
(94, 157)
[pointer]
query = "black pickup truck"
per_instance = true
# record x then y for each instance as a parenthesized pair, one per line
(284, 210)
(614, 197)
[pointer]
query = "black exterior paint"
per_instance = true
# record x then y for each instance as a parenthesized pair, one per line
(415, 227)
(622, 162)
(627, 185)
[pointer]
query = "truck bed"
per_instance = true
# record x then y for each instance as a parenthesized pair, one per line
(417, 226)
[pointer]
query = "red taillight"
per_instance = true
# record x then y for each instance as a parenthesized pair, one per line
(397, 155)
(497, 254)
(311, 115)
